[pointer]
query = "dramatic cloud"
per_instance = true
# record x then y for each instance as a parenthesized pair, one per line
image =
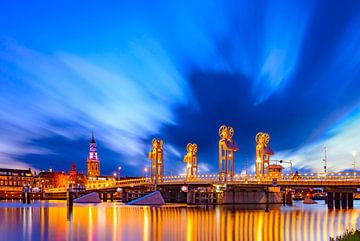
(134, 71)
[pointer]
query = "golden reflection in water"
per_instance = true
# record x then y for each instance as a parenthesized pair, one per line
(189, 231)
(90, 227)
(326, 224)
(287, 226)
(311, 227)
(146, 229)
(120, 222)
(331, 218)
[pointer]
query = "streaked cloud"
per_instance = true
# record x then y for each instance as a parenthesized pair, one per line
(341, 141)
(123, 108)
(130, 72)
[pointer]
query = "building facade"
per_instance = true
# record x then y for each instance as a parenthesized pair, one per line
(15, 179)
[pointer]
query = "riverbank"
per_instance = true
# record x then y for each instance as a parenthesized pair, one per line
(353, 235)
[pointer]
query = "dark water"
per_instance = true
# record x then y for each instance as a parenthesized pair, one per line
(109, 221)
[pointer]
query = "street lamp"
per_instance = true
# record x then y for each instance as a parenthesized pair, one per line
(325, 158)
(119, 168)
(145, 170)
(354, 155)
(115, 175)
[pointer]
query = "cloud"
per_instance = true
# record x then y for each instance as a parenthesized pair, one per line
(129, 72)
(125, 104)
(340, 140)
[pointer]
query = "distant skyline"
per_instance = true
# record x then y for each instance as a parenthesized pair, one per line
(132, 71)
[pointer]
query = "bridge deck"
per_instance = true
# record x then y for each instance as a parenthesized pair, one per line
(312, 180)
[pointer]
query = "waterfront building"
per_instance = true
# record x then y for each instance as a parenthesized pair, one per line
(93, 161)
(76, 178)
(12, 182)
(45, 179)
(15, 179)
(50, 179)
(100, 182)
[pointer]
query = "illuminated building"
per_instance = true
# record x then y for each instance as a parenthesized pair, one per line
(100, 182)
(263, 153)
(15, 179)
(12, 182)
(191, 161)
(50, 179)
(75, 177)
(45, 179)
(227, 148)
(156, 157)
(93, 161)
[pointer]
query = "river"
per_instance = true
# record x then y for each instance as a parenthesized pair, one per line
(52, 220)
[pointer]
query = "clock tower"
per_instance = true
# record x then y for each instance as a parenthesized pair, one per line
(93, 161)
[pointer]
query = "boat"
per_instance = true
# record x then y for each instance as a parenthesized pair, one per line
(308, 200)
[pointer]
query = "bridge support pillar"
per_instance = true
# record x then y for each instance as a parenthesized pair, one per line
(190, 199)
(124, 196)
(330, 200)
(337, 200)
(70, 197)
(344, 200)
(112, 197)
(26, 195)
(350, 200)
(289, 198)
(105, 196)
(267, 209)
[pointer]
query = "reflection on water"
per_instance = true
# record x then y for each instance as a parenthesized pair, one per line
(108, 221)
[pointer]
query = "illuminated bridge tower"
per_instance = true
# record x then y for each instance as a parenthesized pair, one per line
(227, 147)
(93, 161)
(263, 153)
(191, 161)
(156, 156)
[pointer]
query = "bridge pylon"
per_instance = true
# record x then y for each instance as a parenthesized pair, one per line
(263, 153)
(157, 160)
(191, 161)
(227, 149)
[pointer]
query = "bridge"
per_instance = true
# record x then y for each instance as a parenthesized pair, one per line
(268, 182)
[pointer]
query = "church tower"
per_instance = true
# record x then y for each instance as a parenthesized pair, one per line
(93, 161)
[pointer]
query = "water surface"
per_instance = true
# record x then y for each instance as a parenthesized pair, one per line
(114, 221)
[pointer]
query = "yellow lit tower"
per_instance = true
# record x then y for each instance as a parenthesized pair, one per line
(93, 161)
(191, 161)
(227, 148)
(156, 157)
(263, 153)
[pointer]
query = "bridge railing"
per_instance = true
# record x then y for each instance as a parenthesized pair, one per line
(306, 178)
(132, 181)
(56, 190)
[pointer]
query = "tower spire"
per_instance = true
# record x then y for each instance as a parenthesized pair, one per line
(92, 138)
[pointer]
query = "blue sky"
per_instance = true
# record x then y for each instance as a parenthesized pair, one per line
(131, 71)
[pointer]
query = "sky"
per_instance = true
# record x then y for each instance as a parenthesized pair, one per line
(134, 70)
